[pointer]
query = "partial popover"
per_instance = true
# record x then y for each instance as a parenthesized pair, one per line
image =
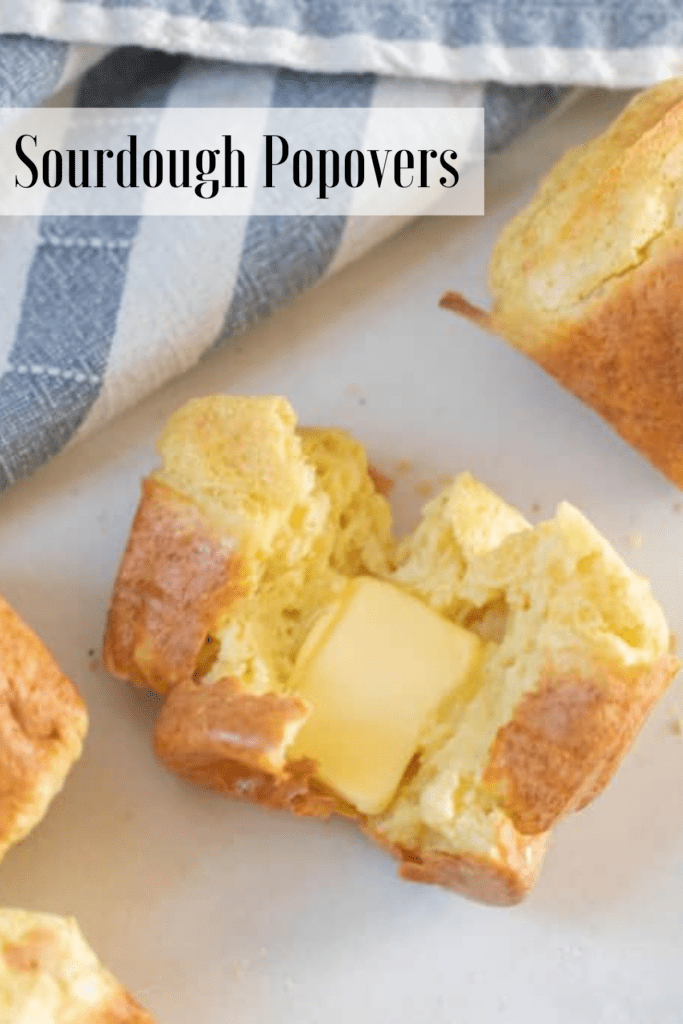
(43, 722)
(50, 975)
(586, 279)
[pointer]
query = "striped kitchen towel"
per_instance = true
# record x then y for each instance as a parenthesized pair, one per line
(98, 311)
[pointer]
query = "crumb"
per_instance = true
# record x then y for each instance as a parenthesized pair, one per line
(91, 652)
(535, 508)
(404, 466)
(362, 401)
(635, 540)
(678, 506)
(424, 488)
(245, 787)
(383, 484)
(676, 726)
(238, 969)
(94, 664)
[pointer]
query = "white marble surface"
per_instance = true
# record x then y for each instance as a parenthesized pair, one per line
(222, 913)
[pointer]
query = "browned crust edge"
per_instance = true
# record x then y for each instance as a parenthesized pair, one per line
(624, 358)
(502, 879)
(175, 578)
(621, 352)
(121, 1009)
(234, 742)
(224, 740)
(218, 721)
(567, 739)
(457, 303)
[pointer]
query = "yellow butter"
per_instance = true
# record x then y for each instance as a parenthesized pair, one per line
(373, 675)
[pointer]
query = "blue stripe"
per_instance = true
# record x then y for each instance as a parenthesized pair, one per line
(131, 76)
(71, 302)
(510, 110)
(282, 256)
(29, 69)
(62, 344)
(609, 24)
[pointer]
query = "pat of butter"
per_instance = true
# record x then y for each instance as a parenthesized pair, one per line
(373, 674)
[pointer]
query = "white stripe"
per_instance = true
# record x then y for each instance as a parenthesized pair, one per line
(362, 233)
(78, 60)
(396, 92)
(38, 370)
(89, 243)
(619, 68)
(181, 276)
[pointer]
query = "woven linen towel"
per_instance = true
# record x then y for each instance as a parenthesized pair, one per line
(99, 311)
